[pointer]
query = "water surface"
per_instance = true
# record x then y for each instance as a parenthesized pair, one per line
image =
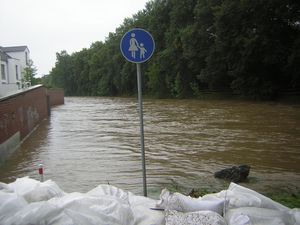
(91, 141)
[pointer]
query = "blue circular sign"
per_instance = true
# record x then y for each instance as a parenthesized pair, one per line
(137, 45)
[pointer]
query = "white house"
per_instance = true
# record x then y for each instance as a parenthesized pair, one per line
(13, 61)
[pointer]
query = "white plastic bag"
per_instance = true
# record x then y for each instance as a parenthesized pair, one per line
(94, 211)
(182, 203)
(258, 216)
(194, 218)
(102, 205)
(34, 213)
(10, 204)
(34, 191)
(143, 214)
(243, 197)
(23, 185)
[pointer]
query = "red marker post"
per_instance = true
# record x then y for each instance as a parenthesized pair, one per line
(41, 172)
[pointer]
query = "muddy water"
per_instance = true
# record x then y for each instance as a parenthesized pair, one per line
(91, 141)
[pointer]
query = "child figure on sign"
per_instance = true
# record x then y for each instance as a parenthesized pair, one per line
(142, 51)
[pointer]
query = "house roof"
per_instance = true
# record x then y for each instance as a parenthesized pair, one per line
(3, 55)
(15, 48)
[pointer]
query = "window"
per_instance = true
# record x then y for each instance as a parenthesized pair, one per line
(17, 72)
(26, 58)
(3, 74)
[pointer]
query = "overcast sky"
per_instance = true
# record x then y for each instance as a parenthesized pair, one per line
(49, 26)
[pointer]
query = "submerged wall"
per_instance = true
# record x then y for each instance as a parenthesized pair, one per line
(56, 97)
(20, 113)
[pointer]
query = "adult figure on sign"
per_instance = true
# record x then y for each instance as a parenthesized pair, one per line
(133, 45)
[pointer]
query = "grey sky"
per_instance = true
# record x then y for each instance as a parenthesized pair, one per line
(49, 26)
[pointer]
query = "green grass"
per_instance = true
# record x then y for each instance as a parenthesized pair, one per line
(289, 197)
(291, 200)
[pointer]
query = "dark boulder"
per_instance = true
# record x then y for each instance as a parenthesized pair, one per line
(235, 174)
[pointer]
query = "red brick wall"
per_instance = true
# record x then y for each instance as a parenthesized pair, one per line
(56, 96)
(22, 112)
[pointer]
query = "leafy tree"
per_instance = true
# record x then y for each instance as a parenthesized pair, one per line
(29, 74)
(246, 47)
(62, 74)
(46, 81)
(252, 42)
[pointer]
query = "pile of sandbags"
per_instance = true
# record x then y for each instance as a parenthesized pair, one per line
(238, 206)
(27, 201)
(246, 206)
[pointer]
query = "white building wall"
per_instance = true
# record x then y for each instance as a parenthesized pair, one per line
(11, 84)
(22, 57)
(14, 69)
(5, 87)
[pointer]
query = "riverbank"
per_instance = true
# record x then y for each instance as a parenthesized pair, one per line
(289, 197)
(288, 97)
(291, 200)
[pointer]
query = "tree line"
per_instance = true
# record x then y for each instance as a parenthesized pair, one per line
(244, 47)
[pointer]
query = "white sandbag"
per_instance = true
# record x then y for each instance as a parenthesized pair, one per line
(87, 209)
(194, 218)
(34, 213)
(74, 209)
(140, 205)
(109, 190)
(44, 191)
(34, 191)
(235, 199)
(5, 188)
(295, 213)
(238, 196)
(10, 204)
(99, 211)
(182, 203)
(143, 211)
(258, 216)
(256, 199)
(62, 202)
(23, 185)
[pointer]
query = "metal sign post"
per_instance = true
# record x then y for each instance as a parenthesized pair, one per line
(137, 46)
(139, 80)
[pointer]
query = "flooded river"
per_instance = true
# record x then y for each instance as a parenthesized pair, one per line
(91, 141)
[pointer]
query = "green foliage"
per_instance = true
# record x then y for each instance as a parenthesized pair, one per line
(46, 81)
(29, 73)
(62, 75)
(291, 200)
(250, 48)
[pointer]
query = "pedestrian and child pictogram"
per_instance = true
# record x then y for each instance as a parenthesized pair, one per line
(137, 45)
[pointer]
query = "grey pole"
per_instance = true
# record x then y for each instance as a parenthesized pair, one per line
(139, 81)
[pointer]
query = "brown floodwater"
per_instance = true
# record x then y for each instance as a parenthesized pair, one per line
(90, 141)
